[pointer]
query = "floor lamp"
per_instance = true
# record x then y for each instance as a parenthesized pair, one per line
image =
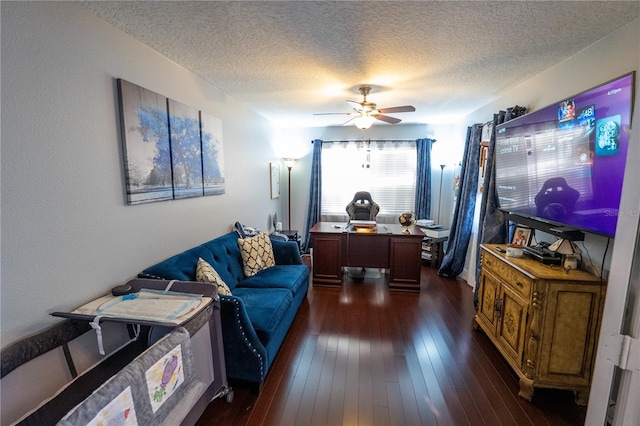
(289, 162)
(440, 193)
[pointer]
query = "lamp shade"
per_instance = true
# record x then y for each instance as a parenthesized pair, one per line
(364, 121)
(564, 246)
(289, 162)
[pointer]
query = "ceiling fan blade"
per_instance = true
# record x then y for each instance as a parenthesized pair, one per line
(405, 108)
(356, 105)
(332, 113)
(349, 121)
(387, 119)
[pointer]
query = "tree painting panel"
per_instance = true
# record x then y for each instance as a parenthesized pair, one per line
(186, 150)
(145, 134)
(212, 158)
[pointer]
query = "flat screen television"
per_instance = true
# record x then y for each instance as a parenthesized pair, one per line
(564, 164)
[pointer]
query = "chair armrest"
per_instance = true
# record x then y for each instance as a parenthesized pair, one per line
(286, 252)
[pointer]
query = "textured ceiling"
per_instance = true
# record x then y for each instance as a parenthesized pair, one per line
(288, 60)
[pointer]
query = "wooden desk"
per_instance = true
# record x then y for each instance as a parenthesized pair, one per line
(335, 247)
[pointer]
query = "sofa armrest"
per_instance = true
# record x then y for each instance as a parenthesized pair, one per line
(286, 252)
(241, 342)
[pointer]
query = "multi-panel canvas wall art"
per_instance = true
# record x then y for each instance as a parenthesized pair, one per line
(212, 161)
(147, 154)
(186, 150)
(171, 150)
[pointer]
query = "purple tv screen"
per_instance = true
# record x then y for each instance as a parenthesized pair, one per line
(564, 164)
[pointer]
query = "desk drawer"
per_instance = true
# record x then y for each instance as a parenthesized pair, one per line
(513, 278)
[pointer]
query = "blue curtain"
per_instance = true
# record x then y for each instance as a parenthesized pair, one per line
(492, 220)
(462, 224)
(494, 227)
(315, 194)
(423, 178)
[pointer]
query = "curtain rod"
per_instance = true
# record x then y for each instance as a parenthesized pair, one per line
(373, 140)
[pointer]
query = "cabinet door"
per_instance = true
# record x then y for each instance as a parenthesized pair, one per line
(327, 253)
(405, 265)
(487, 296)
(512, 324)
(570, 333)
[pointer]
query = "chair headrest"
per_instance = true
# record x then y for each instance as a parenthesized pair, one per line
(362, 195)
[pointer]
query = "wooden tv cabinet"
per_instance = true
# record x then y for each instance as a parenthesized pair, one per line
(543, 320)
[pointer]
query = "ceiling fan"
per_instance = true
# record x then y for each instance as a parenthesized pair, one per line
(365, 113)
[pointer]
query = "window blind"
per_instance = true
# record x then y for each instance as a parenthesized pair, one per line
(386, 169)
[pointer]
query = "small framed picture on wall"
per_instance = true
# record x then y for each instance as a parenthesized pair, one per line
(274, 168)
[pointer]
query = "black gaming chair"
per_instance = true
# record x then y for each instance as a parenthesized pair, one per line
(362, 207)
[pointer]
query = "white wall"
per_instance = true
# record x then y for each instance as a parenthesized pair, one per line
(605, 60)
(67, 234)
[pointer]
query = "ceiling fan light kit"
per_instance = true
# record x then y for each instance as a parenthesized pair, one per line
(366, 113)
(364, 121)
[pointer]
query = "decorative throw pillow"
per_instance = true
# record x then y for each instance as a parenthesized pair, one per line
(257, 253)
(206, 274)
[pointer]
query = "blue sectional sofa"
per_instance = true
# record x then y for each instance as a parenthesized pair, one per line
(256, 317)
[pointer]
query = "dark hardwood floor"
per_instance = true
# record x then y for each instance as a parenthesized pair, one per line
(364, 355)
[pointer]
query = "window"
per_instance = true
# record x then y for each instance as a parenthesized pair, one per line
(387, 169)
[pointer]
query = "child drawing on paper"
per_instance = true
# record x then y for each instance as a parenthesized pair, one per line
(169, 369)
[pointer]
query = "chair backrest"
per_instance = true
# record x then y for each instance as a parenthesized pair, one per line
(362, 207)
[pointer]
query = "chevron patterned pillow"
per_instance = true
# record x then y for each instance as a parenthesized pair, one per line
(257, 253)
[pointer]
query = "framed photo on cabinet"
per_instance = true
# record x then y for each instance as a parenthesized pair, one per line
(521, 236)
